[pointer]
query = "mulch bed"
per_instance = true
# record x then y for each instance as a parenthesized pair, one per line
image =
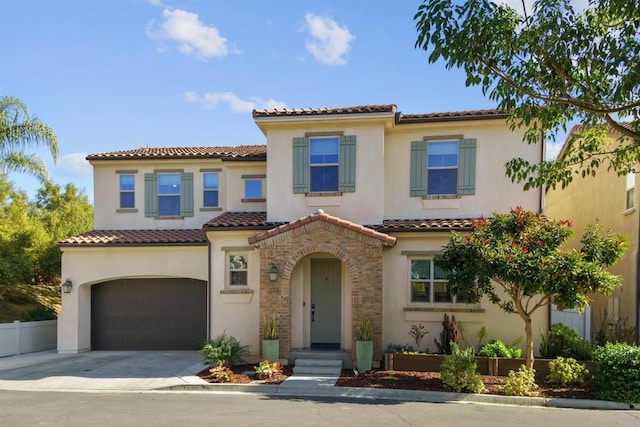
(402, 380)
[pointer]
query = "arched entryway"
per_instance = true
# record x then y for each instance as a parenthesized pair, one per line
(358, 251)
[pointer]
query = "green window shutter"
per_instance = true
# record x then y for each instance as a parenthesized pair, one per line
(150, 195)
(467, 166)
(418, 169)
(301, 173)
(186, 194)
(347, 164)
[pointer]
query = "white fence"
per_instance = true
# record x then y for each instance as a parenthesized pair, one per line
(581, 322)
(27, 337)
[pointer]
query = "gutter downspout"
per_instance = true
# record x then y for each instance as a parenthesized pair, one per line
(208, 287)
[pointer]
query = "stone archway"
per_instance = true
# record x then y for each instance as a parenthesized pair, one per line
(360, 252)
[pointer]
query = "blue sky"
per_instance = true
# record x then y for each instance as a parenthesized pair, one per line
(118, 74)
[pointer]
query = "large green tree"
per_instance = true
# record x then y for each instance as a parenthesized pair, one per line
(30, 230)
(549, 67)
(19, 132)
(515, 260)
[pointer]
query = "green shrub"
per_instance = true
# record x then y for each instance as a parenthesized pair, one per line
(268, 369)
(617, 375)
(399, 348)
(458, 372)
(521, 382)
(564, 341)
(224, 350)
(40, 313)
(364, 331)
(497, 348)
(566, 372)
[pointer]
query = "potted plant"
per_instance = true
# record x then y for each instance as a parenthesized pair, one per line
(364, 345)
(270, 341)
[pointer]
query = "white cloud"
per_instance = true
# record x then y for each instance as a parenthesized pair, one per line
(192, 37)
(330, 42)
(210, 100)
(73, 165)
(157, 3)
(553, 149)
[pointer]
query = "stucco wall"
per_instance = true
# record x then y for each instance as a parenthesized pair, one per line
(397, 297)
(602, 198)
(107, 192)
(236, 314)
(364, 206)
(496, 144)
(87, 266)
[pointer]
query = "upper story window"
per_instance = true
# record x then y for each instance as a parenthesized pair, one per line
(443, 167)
(323, 160)
(238, 269)
(211, 190)
(127, 192)
(253, 189)
(631, 190)
(429, 283)
(168, 194)
(324, 164)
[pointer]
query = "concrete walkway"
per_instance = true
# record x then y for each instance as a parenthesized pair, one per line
(166, 371)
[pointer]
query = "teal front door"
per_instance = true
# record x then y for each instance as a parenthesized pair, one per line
(325, 303)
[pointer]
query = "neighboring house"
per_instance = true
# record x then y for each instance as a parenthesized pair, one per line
(349, 206)
(613, 201)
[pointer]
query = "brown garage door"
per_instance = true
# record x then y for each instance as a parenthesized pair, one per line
(148, 314)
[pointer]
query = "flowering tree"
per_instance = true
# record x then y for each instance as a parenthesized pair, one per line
(519, 253)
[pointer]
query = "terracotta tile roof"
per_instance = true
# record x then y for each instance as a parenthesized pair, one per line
(241, 221)
(241, 152)
(386, 108)
(453, 116)
(361, 109)
(193, 237)
(395, 225)
(321, 216)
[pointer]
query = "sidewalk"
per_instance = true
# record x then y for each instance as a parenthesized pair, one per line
(176, 371)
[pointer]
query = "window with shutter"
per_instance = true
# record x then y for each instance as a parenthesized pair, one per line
(442, 168)
(324, 164)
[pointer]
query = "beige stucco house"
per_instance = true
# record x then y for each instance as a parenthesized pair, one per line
(347, 205)
(613, 201)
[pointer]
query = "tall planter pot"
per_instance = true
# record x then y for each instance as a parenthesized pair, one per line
(271, 350)
(364, 355)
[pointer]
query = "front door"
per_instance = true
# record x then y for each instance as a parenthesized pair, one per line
(325, 303)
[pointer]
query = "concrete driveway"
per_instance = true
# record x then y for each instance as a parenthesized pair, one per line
(100, 370)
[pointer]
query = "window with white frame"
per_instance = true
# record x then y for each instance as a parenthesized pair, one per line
(169, 194)
(324, 161)
(631, 190)
(442, 168)
(238, 269)
(210, 189)
(127, 191)
(429, 283)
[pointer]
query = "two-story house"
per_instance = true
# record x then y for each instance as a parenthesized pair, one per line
(335, 220)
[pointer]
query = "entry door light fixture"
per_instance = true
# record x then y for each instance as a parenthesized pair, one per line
(66, 286)
(273, 273)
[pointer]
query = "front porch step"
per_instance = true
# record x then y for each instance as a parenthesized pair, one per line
(317, 367)
(309, 353)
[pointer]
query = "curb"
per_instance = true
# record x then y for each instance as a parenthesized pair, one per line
(403, 395)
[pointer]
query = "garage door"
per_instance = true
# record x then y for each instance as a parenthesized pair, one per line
(148, 314)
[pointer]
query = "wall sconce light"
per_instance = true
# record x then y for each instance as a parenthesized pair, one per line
(273, 273)
(66, 286)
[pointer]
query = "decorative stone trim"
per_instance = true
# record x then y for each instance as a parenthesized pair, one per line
(236, 296)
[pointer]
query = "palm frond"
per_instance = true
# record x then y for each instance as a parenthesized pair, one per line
(23, 162)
